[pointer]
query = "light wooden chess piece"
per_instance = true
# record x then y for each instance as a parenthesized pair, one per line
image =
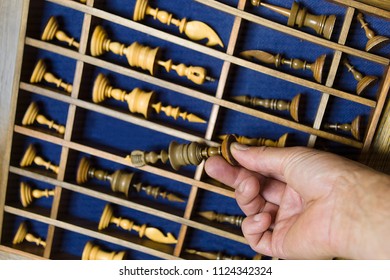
(93, 252)
(363, 81)
(316, 67)
(144, 57)
(120, 181)
(22, 234)
(184, 154)
(300, 17)
(195, 30)
(83, 1)
(273, 104)
(27, 194)
(353, 128)
(374, 41)
(281, 142)
(151, 233)
(30, 157)
(138, 101)
(40, 73)
(32, 115)
(212, 255)
(222, 218)
(52, 30)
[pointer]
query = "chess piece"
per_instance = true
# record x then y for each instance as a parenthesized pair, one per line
(153, 234)
(363, 81)
(40, 73)
(93, 252)
(120, 181)
(52, 30)
(83, 1)
(222, 218)
(195, 30)
(139, 101)
(300, 17)
(212, 255)
(281, 142)
(184, 154)
(273, 104)
(30, 157)
(32, 115)
(144, 57)
(22, 234)
(353, 128)
(297, 64)
(374, 41)
(27, 194)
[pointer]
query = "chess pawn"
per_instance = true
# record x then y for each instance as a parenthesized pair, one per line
(222, 218)
(363, 81)
(374, 41)
(30, 157)
(297, 16)
(93, 252)
(143, 230)
(22, 234)
(40, 73)
(212, 255)
(195, 30)
(138, 101)
(52, 30)
(144, 57)
(27, 194)
(120, 181)
(281, 142)
(316, 67)
(273, 104)
(32, 115)
(353, 128)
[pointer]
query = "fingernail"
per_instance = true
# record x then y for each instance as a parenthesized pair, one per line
(239, 147)
(257, 217)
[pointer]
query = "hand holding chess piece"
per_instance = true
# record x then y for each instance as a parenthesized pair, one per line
(27, 194)
(30, 157)
(52, 30)
(23, 234)
(374, 41)
(93, 252)
(195, 30)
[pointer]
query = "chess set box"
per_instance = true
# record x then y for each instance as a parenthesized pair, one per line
(116, 105)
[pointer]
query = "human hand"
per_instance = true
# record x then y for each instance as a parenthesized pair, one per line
(301, 203)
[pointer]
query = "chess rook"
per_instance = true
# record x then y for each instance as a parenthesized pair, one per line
(93, 252)
(32, 115)
(23, 234)
(353, 128)
(52, 30)
(374, 42)
(138, 101)
(273, 104)
(316, 67)
(281, 142)
(27, 194)
(30, 157)
(222, 218)
(153, 234)
(195, 30)
(40, 73)
(363, 81)
(300, 17)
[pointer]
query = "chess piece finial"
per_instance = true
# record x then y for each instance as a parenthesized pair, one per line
(93, 252)
(138, 101)
(40, 73)
(222, 218)
(185, 154)
(374, 41)
(300, 17)
(30, 157)
(120, 181)
(273, 104)
(353, 128)
(32, 115)
(151, 233)
(363, 81)
(316, 67)
(281, 142)
(195, 30)
(27, 194)
(212, 255)
(144, 57)
(23, 234)
(52, 30)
